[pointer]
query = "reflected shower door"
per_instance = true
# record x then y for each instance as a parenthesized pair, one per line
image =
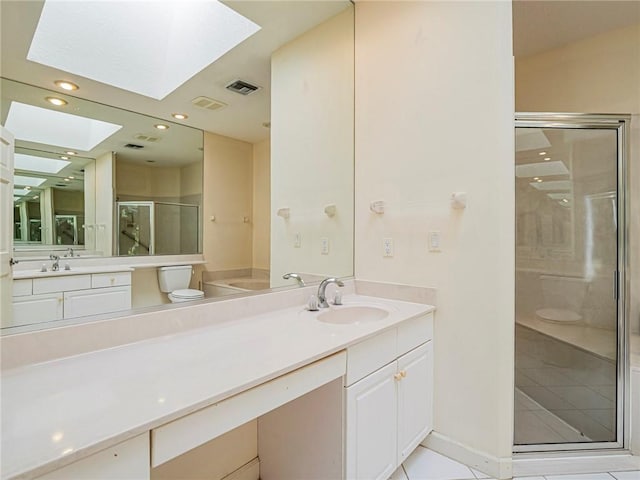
(567, 382)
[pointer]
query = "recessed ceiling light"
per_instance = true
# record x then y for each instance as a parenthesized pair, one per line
(62, 157)
(536, 178)
(58, 102)
(67, 180)
(179, 116)
(546, 159)
(162, 126)
(205, 29)
(60, 129)
(65, 85)
(539, 180)
(27, 188)
(70, 153)
(71, 177)
(542, 153)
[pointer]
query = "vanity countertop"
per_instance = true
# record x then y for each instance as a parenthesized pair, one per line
(59, 411)
(21, 274)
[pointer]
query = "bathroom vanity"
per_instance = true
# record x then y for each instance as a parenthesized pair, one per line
(347, 390)
(43, 296)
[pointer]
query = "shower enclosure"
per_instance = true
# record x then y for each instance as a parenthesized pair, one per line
(157, 228)
(571, 355)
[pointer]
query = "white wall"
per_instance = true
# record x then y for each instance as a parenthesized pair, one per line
(105, 174)
(261, 217)
(312, 150)
(228, 183)
(434, 115)
(600, 74)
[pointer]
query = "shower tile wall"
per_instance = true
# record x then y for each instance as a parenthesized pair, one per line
(576, 386)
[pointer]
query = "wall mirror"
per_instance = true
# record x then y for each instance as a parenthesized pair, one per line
(55, 193)
(270, 172)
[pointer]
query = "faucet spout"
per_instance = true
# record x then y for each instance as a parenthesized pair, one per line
(297, 276)
(322, 296)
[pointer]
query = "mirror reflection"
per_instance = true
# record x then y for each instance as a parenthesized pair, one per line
(208, 199)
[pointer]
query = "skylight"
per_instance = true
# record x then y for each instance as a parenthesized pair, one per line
(20, 192)
(541, 169)
(150, 48)
(28, 181)
(32, 163)
(51, 127)
(553, 185)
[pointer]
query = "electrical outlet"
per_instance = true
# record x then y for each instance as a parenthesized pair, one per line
(387, 247)
(324, 245)
(297, 240)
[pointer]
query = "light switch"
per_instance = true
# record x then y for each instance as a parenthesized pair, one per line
(324, 245)
(434, 241)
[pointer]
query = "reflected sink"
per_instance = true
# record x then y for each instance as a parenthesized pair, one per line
(353, 315)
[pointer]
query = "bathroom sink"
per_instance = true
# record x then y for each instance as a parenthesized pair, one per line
(352, 315)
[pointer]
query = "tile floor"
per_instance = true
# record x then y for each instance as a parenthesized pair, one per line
(425, 464)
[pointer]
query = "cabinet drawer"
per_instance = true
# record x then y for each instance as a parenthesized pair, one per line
(130, 460)
(22, 287)
(367, 356)
(61, 283)
(177, 437)
(115, 279)
(96, 301)
(414, 332)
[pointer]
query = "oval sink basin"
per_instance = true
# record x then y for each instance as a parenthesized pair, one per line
(352, 315)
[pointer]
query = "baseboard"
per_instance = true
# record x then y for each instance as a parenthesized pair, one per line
(488, 464)
(249, 471)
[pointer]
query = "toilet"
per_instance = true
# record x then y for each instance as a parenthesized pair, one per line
(175, 282)
(563, 298)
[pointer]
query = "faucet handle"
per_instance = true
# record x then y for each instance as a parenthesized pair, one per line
(312, 305)
(337, 298)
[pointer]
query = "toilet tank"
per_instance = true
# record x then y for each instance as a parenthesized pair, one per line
(174, 278)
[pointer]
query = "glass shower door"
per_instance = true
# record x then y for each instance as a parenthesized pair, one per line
(568, 390)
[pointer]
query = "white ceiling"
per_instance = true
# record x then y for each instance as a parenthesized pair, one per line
(540, 25)
(243, 118)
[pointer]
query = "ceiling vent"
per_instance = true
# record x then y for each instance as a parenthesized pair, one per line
(147, 138)
(133, 146)
(243, 88)
(208, 103)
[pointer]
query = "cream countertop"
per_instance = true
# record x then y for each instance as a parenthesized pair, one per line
(22, 274)
(60, 411)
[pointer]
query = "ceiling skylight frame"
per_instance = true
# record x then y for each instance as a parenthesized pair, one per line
(32, 163)
(110, 44)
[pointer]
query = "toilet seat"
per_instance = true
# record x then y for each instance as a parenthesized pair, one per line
(558, 315)
(186, 295)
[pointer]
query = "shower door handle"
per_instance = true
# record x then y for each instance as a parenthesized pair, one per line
(615, 285)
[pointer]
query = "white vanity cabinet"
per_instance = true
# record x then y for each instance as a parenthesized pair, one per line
(55, 297)
(389, 411)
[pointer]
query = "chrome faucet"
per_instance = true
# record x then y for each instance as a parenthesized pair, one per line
(56, 262)
(297, 276)
(69, 252)
(322, 297)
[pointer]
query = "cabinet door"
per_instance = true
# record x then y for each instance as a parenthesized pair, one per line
(96, 301)
(371, 426)
(415, 398)
(36, 308)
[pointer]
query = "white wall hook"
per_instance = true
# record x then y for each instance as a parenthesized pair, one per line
(330, 210)
(377, 207)
(459, 200)
(284, 212)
